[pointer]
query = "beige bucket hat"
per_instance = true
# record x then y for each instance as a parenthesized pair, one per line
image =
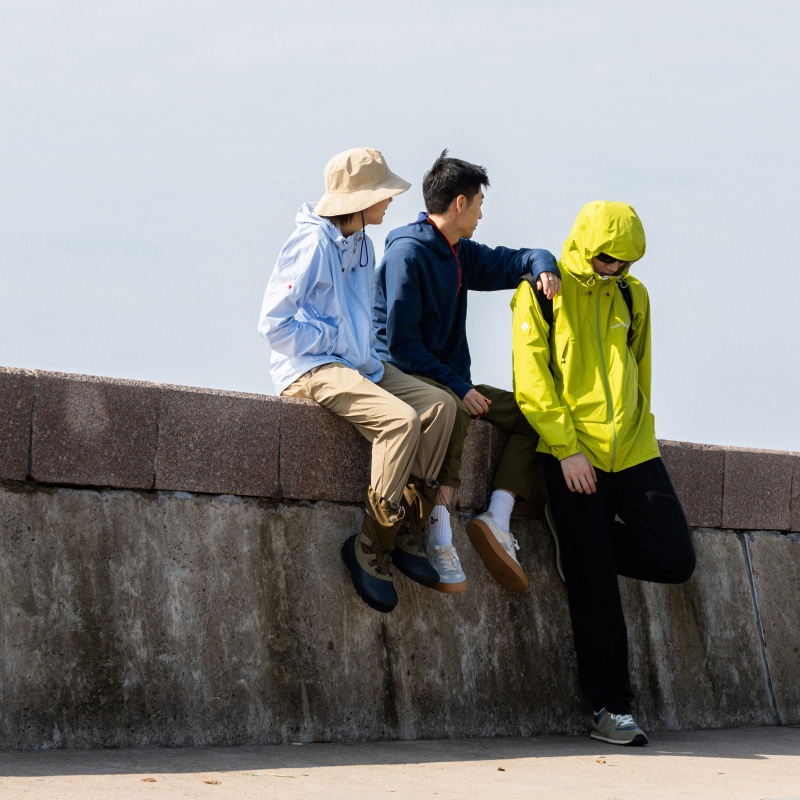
(355, 180)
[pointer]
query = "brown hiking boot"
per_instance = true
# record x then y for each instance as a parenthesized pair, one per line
(368, 554)
(409, 556)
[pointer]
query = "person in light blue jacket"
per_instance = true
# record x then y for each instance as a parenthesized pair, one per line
(317, 319)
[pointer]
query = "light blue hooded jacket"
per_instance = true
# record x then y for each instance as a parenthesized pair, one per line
(318, 303)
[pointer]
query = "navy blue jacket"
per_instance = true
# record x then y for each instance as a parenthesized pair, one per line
(420, 313)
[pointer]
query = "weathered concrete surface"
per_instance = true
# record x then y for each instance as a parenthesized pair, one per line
(131, 618)
(16, 403)
(742, 764)
(758, 489)
(94, 431)
(775, 561)
(137, 619)
(218, 442)
(695, 655)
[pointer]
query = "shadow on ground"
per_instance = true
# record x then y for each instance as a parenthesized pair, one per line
(746, 744)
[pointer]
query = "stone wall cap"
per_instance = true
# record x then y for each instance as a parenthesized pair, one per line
(134, 383)
(78, 377)
(16, 371)
(175, 387)
(724, 448)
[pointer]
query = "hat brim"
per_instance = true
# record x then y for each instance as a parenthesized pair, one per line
(333, 204)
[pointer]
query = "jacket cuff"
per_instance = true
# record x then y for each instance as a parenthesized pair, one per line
(543, 261)
(564, 452)
(461, 389)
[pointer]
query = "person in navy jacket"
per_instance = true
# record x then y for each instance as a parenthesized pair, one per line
(419, 322)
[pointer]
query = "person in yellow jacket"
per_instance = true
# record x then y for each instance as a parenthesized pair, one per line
(582, 372)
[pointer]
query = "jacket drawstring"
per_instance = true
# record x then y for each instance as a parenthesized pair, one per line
(364, 254)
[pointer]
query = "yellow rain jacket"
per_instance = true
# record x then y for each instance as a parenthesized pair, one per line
(580, 385)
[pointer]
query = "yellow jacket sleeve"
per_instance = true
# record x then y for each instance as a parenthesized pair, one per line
(534, 386)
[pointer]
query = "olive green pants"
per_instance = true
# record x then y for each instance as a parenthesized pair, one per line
(519, 458)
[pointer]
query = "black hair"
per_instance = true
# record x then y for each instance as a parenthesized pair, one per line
(341, 220)
(447, 179)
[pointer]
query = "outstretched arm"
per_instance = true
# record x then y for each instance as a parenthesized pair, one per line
(492, 268)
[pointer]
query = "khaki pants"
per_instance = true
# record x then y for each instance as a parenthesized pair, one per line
(408, 422)
(519, 458)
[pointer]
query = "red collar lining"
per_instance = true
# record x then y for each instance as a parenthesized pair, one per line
(452, 250)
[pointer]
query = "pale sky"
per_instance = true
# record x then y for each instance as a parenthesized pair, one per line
(153, 156)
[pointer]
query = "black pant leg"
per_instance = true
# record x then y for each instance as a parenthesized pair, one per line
(585, 528)
(652, 543)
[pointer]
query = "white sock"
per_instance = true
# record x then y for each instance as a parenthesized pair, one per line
(500, 507)
(439, 531)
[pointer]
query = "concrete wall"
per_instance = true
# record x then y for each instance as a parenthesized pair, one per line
(169, 574)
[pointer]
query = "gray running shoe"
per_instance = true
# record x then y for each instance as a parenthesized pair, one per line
(617, 729)
(551, 523)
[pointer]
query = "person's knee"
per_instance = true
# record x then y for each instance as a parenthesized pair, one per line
(403, 421)
(683, 560)
(448, 406)
(681, 555)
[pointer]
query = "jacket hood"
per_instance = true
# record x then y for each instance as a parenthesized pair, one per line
(307, 216)
(421, 231)
(602, 226)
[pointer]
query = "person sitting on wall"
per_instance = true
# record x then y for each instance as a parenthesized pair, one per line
(317, 318)
(582, 368)
(420, 325)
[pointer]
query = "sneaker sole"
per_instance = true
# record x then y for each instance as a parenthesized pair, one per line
(501, 566)
(451, 588)
(640, 740)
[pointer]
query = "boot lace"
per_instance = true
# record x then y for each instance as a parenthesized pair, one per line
(382, 561)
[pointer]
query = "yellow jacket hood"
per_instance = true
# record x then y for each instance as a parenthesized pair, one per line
(602, 226)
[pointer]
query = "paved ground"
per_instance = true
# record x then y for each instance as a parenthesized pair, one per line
(751, 763)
